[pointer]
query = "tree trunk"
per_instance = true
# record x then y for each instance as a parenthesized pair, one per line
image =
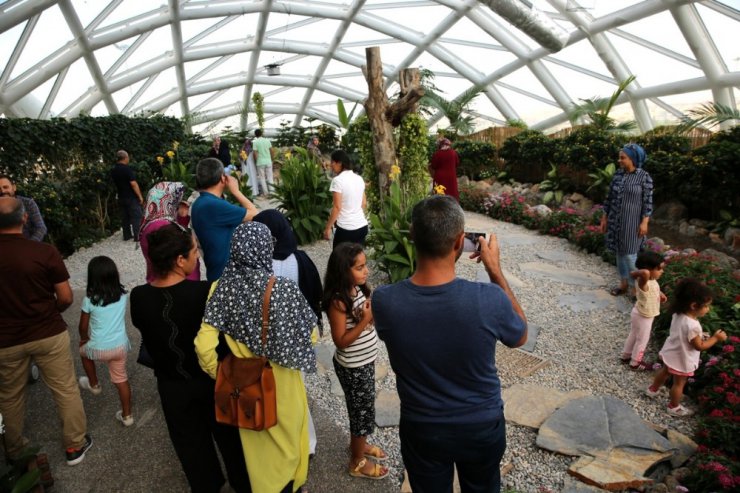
(376, 104)
(408, 101)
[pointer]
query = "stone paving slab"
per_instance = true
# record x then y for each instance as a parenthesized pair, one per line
(541, 270)
(586, 301)
(514, 282)
(530, 405)
(532, 332)
(597, 424)
(558, 256)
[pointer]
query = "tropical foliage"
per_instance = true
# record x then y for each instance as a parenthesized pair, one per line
(596, 110)
(303, 196)
(455, 110)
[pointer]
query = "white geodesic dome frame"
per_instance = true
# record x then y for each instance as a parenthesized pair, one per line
(216, 53)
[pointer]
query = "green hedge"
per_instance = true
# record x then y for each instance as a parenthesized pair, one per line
(65, 164)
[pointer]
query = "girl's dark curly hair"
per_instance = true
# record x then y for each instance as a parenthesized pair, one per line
(103, 282)
(338, 280)
(687, 292)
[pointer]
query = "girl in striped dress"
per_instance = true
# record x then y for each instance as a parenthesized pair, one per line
(346, 303)
(627, 211)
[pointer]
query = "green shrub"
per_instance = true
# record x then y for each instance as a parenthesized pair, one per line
(303, 196)
(393, 251)
(475, 158)
(413, 158)
(585, 150)
(527, 155)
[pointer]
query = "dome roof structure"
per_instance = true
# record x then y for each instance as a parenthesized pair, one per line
(204, 59)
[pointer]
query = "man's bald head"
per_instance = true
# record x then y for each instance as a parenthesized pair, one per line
(122, 157)
(12, 215)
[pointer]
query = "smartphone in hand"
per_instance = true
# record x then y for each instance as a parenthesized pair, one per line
(471, 241)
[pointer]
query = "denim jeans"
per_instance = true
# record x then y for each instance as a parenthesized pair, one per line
(131, 215)
(625, 265)
(431, 450)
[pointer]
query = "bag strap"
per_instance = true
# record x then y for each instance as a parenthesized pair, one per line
(266, 312)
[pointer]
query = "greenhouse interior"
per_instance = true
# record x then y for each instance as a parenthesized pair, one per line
(592, 147)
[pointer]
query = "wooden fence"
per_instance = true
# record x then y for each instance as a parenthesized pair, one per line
(497, 135)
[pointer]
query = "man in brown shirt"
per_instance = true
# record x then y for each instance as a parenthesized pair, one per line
(34, 290)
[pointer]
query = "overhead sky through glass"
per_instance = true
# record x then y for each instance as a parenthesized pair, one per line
(203, 59)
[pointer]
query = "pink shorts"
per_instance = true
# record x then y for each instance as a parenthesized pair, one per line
(114, 359)
(678, 373)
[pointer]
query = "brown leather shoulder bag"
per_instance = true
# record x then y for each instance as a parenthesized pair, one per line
(245, 387)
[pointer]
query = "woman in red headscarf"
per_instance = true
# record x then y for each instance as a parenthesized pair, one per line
(443, 167)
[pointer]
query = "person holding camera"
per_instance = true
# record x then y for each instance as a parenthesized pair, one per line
(441, 333)
(213, 218)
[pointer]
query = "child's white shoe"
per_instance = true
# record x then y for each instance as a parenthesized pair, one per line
(126, 420)
(679, 411)
(85, 384)
(651, 393)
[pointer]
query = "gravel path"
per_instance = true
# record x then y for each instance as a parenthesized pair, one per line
(582, 347)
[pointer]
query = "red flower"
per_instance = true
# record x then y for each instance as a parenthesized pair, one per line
(735, 339)
(716, 413)
(728, 348)
(726, 481)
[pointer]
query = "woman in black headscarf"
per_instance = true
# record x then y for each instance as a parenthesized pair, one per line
(277, 458)
(288, 261)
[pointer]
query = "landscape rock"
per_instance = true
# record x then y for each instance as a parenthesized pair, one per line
(722, 259)
(463, 181)
(657, 241)
(716, 238)
(731, 234)
(688, 251)
(685, 447)
(683, 227)
(530, 405)
(381, 371)
(670, 212)
(700, 223)
(481, 185)
(597, 425)
(578, 202)
(616, 470)
(542, 210)
(692, 230)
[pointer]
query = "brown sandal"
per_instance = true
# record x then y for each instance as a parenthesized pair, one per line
(377, 472)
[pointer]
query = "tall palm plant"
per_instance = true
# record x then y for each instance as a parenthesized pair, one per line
(597, 111)
(454, 110)
(710, 114)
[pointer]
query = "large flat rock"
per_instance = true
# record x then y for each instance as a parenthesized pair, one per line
(532, 332)
(595, 425)
(517, 239)
(482, 276)
(586, 301)
(572, 485)
(530, 405)
(617, 470)
(558, 256)
(541, 270)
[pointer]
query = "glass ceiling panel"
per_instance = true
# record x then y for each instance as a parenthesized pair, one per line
(724, 34)
(476, 53)
(39, 46)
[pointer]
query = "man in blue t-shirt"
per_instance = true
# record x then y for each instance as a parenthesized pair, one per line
(441, 335)
(213, 218)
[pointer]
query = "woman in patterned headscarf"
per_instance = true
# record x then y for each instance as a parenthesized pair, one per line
(162, 204)
(627, 211)
(443, 167)
(277, 458)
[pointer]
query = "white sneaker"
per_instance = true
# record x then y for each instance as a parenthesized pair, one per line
(679, 411)
(126, 420)
(651, 393)
(85, 384)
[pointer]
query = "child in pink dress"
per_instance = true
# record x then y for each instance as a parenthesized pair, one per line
(681, 350)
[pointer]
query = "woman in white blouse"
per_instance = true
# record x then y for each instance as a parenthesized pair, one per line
(349, 202)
